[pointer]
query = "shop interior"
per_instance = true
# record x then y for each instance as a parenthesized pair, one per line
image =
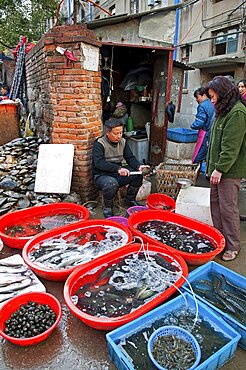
(127, 91)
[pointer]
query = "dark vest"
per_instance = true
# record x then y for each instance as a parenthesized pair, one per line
(114, 153)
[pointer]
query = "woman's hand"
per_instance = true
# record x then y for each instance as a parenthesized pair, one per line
(123, 172)
(215, 177)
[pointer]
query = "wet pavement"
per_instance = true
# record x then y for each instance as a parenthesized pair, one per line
(73, 345)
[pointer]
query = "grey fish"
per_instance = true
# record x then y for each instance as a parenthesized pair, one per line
(6, 279)
(5, 297)
(13, 270)
(69, 261)
(16, 286)
(48, 256)
(10, 263)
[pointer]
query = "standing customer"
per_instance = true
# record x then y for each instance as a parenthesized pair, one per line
(203, 122)
(242, 88)
(108, 154)
(226, 160)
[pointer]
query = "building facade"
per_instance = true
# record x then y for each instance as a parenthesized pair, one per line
(211, 39)
(209, 35)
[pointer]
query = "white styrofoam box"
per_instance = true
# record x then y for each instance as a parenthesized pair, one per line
(194, 202)
(144, 191)
(140, 148)
(179, 150)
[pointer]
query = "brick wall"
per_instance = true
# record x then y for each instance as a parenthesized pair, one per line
(65, 98)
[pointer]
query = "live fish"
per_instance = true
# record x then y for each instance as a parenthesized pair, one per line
(121, 288)
(70, 250)
(176, 236)
(224, 294)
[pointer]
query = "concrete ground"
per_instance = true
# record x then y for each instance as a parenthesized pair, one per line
(73, 345)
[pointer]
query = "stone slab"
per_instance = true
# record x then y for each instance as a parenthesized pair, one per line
(54, 168)
(194, 202)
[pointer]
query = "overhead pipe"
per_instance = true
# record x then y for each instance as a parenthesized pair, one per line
(176, 34)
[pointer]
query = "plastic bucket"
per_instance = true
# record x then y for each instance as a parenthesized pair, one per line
(34, 215)
(14, 304)
(161, 202)
(71, 233)
(136, 209)
(207, 231)
(121, 220)
(87, 274)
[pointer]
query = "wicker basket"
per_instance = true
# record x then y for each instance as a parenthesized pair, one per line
(167, 174)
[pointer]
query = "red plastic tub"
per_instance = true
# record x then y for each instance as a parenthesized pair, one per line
(75, 233)
(207, 231)
(28, 222)
(88, 274)
(161, 202)
(14, 304)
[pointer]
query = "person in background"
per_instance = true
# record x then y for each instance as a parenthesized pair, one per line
(203, 122)
(108, 153)
(226, 163)
(242, 88)
(5, 91)
(242, 91)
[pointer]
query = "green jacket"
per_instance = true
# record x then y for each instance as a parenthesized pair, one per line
(227, 147)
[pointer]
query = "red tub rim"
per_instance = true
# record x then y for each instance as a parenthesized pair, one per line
(171, 217)
(169, 201)
(104, 323)
(38, 211)
(14, 304)
(62, 274)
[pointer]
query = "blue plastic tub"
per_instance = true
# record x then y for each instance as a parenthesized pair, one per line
(150, 319)
(182, 135)
(202, 273)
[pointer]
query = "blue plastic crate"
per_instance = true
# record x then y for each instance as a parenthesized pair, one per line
(202, 273)
(215, 361)
(182, 135)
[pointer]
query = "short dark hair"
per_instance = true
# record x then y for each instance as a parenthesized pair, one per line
(200, 91)
(5, 87)
(113, 122)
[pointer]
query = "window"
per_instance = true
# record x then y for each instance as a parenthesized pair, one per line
(226, 42)
(134, 6)
(185, 53)
(112, 9)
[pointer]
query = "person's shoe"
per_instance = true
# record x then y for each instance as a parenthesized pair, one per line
(229, 255)
(132, 203)
(107, 212)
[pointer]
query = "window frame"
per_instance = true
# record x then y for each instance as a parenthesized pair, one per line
(134, 4)
(223, 47)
